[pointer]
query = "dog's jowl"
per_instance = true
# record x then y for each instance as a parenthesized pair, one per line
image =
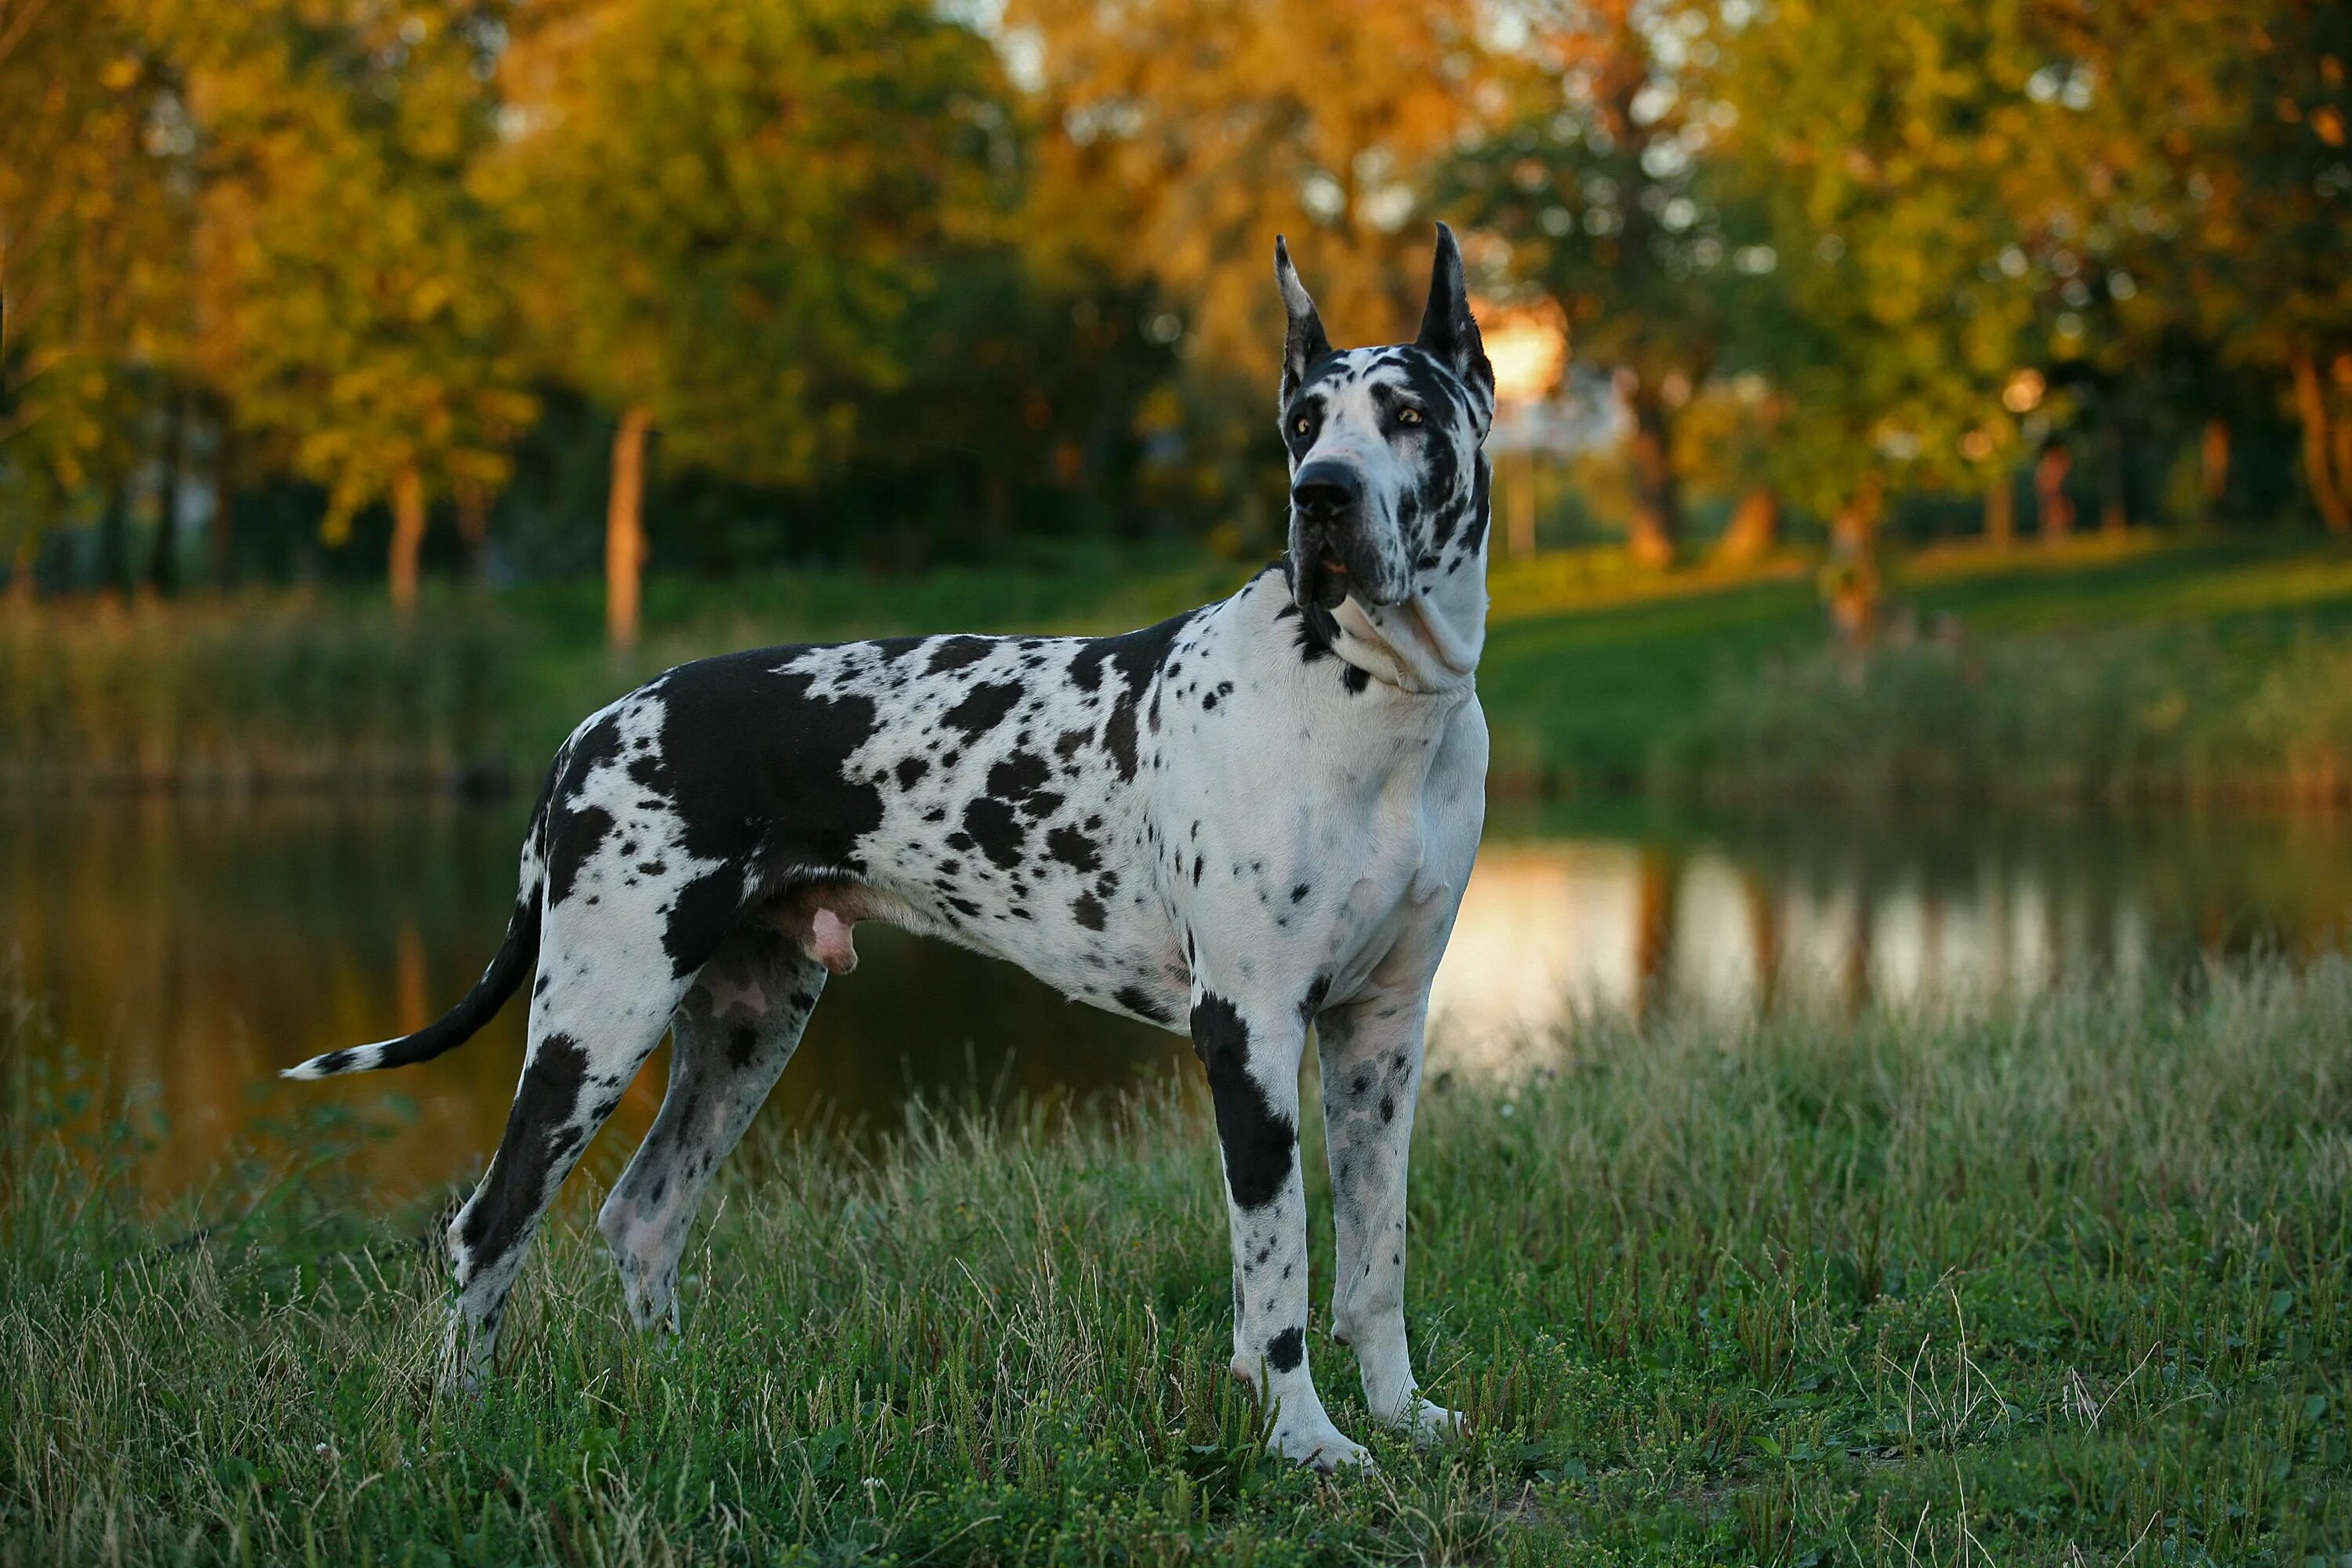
(1248, 822)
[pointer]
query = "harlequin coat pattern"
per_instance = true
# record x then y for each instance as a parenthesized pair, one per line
(1250, 819)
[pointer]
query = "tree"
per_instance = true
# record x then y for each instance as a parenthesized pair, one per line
(351, 291)
(1871, 137)
(2228, 228)
(1202, 127)
(93, 224)
(1605, 191)
(730, 205)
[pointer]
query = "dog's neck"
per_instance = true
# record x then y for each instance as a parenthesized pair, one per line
(1429, 644)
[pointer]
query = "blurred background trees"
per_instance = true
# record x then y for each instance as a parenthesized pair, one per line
(372, 289)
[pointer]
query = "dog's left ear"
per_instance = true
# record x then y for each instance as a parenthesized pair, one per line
(1447, 329)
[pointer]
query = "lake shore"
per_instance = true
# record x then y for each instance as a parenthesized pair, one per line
(2138, 672)
(2019, 1280)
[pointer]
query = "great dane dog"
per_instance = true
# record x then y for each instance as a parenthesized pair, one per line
(1250, 819)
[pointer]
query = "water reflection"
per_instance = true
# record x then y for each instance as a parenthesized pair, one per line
(1731, 919)
(198, 948)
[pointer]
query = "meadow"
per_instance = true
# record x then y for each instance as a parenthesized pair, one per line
(2104, 672)
(2062, 1281)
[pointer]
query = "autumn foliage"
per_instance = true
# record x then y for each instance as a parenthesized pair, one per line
(782, 280)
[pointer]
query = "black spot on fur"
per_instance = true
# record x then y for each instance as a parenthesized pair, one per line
(996, 830)
(1073, 848)
(1312, 1003)
(742, 1041)
(912, 772)
(1136, 1000)
(955, 653)
(704, 911)
(1088, 910)
(1285, 1350)
(541, 1135)
(1355, 678)
(1258, 1141)
(1134, 655)
(1118, 738)
(573, 835)
(983, 710)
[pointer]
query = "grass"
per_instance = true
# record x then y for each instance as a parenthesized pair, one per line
(2134, 669)
(2002, 670)
(2066, 1282)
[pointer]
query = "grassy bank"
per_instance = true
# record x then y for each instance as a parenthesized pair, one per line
(2067, 1283)
(2146, 668)
(2131, 671)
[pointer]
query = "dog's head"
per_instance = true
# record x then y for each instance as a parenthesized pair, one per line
(1386, 489)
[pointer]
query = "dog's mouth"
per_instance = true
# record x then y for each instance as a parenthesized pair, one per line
(1331, 576)
(1320, 574)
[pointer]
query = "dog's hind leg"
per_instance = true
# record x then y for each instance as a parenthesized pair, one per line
(1372, 1056)
(604, 996)
(729, 1040)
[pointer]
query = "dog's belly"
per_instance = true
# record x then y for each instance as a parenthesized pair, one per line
(1131, 966)
(1088, 922)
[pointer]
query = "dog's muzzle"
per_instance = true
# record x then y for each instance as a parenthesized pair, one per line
(1328, 549)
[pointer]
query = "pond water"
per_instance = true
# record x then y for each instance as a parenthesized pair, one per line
(189, 949)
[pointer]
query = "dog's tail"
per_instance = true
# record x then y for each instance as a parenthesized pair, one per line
(516, 956)
(454, 1028)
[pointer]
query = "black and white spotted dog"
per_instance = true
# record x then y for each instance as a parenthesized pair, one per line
(1249, 819)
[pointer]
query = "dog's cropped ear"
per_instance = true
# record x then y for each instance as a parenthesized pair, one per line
(1447, 329)
(1303, 342)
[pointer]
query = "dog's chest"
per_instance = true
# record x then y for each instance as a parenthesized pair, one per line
(1306, 825)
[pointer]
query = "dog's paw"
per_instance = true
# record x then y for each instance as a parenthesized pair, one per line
(1323, 1447)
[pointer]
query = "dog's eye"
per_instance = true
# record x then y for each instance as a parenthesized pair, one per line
(1302, 424)
(1408, 415)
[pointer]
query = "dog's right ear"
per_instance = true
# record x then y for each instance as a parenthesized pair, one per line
(1303, 342)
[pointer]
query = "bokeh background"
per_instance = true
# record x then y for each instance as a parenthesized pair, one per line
(1924, 506)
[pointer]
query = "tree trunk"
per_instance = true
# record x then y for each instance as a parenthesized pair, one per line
(2213, 463)
(1854, 589)
(2052, 510)
(624, 533)
(1755, 528)
(2340, 435)
(220, 539)
(20, 569)
(1764, 936)
(2001, 511)
(474, 529)
(1657, 513)
(1658, 882)
(2311, 405)
(164, 558)
(1521, 534)
(407, 539)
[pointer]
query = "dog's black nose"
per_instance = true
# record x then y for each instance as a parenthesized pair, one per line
(1324, 491)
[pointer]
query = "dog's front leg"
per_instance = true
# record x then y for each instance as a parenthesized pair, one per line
(1372, 1056)
(1251, 1056)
